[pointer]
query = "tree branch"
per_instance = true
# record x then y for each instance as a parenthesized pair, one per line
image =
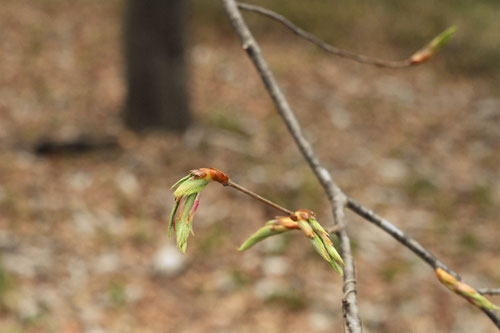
(489, 291)
(399, 235)
(413, 245)
(335, 195)
(323, 45)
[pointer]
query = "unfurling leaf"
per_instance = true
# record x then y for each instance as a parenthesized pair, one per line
(306, 228)
(273, 227)
(322, 250)
(184, 219)
(319, 237)
(187, 197)
(325, 237)
(190, 186)
(464, 290)
(305, 221)
(430, 49)
(171, 222)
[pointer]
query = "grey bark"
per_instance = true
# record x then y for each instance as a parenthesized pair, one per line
(157, 96)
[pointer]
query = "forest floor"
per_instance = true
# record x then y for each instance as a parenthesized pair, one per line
(83, 237)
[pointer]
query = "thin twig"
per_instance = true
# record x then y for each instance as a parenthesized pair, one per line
(258, 197)
(337, 199)
(489, 291)
(323, 45)
(399, 235)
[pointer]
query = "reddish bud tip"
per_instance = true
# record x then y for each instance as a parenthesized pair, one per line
(210, 174)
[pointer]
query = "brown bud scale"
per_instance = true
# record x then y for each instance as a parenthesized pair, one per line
(302, 214)
(211, 174)
(286, 222)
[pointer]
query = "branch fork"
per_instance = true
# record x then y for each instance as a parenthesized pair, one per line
(337, 198)
(188, 198)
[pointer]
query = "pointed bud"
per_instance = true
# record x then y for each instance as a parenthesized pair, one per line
(321, 249)
(317, 227)
(306, 228)
(430, 49)
(334, 254)
(325, 237)
(337, 267)
(464, 290)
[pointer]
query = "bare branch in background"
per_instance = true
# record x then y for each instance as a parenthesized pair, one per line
(489, 291)
(336, 197)
(418, 57)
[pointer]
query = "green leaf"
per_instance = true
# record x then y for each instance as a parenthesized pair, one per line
(443, 38)
(325, 238)
(183, 225)
(317, 227)
(171, 222)
(334, 254)
(320, 248)
(336, 267)
(306, 228)
(180, 181)
(190, 186)
(270, 229)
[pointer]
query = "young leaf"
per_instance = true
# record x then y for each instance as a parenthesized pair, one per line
(187, 199)
(183, 179)
(190, 186)
(430, 49)
(171, 221)
(183, 224)
(325, 237)
(320, 238)
(306, 228)
(261, 234)
(273, 227)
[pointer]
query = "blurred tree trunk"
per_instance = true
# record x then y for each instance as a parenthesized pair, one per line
(157, 97)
